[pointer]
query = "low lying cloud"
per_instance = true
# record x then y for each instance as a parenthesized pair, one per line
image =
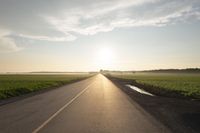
(48, 38)
(62, 20)
(8, 45)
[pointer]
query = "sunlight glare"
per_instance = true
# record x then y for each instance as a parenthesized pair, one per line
(105, 58)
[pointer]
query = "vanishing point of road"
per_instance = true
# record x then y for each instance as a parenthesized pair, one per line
(94, 105)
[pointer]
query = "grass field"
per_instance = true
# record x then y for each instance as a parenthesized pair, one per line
(182, 84)
(15, 85)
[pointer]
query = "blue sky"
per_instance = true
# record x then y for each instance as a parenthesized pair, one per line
(72, 35)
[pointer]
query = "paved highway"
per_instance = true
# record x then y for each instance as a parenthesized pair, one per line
(94, 105)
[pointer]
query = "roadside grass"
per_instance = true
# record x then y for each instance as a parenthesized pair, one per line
(169, 84)
(15, 85)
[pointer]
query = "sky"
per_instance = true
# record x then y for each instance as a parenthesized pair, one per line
(88, 35)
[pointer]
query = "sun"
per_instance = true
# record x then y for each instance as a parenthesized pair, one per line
(104, 57)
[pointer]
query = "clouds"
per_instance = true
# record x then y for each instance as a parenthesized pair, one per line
(106, 16)
(63, 20)
(8, 45)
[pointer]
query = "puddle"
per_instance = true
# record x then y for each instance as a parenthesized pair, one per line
(139, 90)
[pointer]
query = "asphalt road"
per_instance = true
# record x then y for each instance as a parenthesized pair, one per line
(94, 105)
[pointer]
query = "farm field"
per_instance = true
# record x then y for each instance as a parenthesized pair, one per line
(18, 84)
(169, 84)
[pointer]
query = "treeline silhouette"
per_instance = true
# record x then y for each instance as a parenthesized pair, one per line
(187, 70)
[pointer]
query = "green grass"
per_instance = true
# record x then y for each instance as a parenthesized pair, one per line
(184, 84)
(15, 85)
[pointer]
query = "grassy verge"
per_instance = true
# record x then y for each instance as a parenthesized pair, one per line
(15, 85)
(168, 84)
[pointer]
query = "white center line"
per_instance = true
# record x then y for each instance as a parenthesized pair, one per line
(61, 109)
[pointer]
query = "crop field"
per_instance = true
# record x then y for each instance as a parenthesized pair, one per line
(15, 85)
(182, 84)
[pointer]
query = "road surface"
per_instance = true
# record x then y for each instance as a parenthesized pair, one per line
(94, 105)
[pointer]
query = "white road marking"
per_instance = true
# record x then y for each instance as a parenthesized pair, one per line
(139, 90)
(61, 109)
